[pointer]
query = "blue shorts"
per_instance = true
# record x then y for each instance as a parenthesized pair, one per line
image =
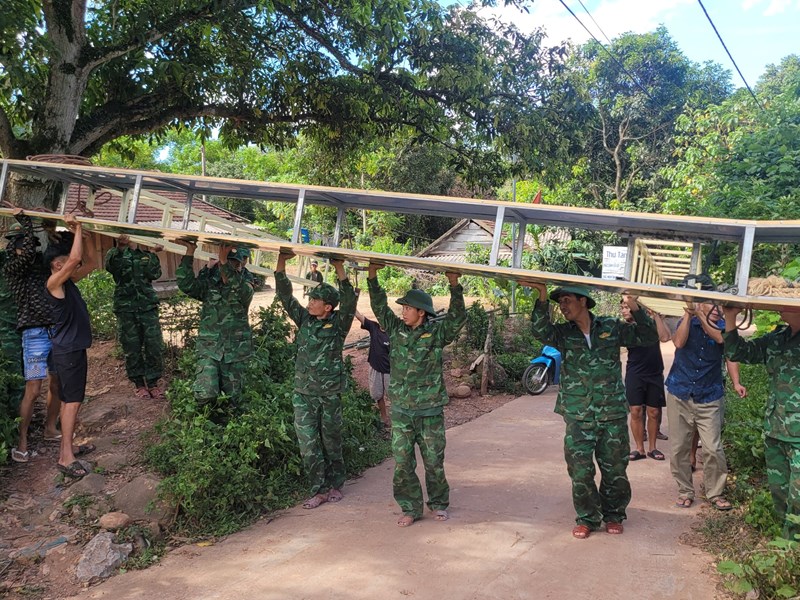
(35, 350)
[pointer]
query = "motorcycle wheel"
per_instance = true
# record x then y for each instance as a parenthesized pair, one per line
(536, 379)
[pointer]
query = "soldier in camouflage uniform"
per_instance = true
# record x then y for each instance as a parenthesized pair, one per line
(10, 338)
(417, 392)
(136, 307)
(779, 350)
(224, 341)
(319, 378)
(592, 400)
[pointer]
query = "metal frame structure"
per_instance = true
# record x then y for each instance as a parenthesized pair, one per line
(692, 230)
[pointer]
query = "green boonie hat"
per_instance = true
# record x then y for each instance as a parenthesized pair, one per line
(240, 254)
(325, 292)
(14, 231)
(578, 290)
(418, 299)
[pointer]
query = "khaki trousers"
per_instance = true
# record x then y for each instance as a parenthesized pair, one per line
(686, 417)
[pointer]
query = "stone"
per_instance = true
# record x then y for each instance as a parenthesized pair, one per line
(153, 531)
(139, 500)
(462, 391)
(90, 485)
(112, 462)
(114, 520)
(101, 557)
(96, 416)
(455, 373)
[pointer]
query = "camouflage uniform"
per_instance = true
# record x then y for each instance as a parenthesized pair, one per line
(591, 399)
(136, 308)
(319, 380)
(418, 396)
(224, 342)
(780, 352)
(10, 338)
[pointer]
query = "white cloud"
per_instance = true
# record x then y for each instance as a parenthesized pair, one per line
(773, 7)
(614, 17)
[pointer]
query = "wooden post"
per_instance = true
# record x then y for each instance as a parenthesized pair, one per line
(487, 355)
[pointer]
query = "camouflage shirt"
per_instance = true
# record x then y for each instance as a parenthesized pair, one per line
(415, 355)
(27, 275)
(224, 326)
(780, 352)
(133, 272)
(319, 368)
(591, 378)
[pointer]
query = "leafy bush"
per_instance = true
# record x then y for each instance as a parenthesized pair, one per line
(476, 327)
(223, 476)
(97, 290)
(11, 386)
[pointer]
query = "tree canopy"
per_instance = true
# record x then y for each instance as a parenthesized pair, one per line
(76, 75)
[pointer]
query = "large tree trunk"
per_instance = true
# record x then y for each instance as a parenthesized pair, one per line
(33, 192)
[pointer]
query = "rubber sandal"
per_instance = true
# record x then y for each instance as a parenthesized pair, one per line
(157, 393)
(581, 532)
(656, 454)
(614, 528)
(142, 392)
(55, 438)
(315, 501)
(721, 503)
(441, 515)
(75, 471)
(636, 455)
(662, 436)
(405, 521)
(334, 495)
(85, 449)
(684, 502)
(22, 457)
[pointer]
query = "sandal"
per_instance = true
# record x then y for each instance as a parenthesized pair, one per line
(76, 470)
(656, 454)
(315, 501)
(684, 502)
(441, 515)
(662, 436)
(405, 521)
(142, 392)
(721, 503)
(157, 393)
(581, 532)
(22, 457)
(334, 495)
(614, 528)
(84, 449)
(636, 455)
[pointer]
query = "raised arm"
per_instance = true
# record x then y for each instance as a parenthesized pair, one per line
(56, 281)
(642, 332)
(541, 324)
(191, 285)
(377, 299)
(457, 313)
(348, 302)
(283, 289)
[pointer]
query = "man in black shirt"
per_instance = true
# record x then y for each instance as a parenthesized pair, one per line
(378, 360)
(314, 274)
(644, 388)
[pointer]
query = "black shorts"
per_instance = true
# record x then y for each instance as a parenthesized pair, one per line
(71, 368)
(645, 390)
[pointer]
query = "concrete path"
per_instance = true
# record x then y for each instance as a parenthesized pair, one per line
(508, 538)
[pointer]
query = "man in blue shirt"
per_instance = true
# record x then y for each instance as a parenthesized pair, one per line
(696, 403)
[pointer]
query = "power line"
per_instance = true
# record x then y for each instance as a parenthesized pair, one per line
(607, 51)
(721, 41)
(595, 22)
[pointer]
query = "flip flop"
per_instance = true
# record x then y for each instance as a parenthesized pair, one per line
(721, 503)
(614, 528)
(84, 449)
(75, 471)
(684, 502)
(315, 501)
(656, 454)
(636, 455)
(441, 515)
(55, 438)
(405, 521)
(22, 457)
(581, 532)
(334, 495)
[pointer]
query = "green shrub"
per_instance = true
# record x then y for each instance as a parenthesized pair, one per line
(11, 387)
(743, 430)
(97, 290)
(477, 326)
(221, 477)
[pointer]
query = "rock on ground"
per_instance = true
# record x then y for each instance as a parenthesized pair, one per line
(101, 557)
(114, 520)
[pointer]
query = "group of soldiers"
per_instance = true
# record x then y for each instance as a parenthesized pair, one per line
(35, 288)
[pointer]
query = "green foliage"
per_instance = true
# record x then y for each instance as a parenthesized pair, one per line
(10, 395)
(772, 569)
(97, 290)
(514, 364)
(476, 327)
(744, 447)
(222, 476)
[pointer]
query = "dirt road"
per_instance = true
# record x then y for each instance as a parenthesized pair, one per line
(508, 538)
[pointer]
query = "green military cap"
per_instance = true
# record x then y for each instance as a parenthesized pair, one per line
(418, 299)
(14, 231)
(325, 292)
(241, 254)
(578, 290)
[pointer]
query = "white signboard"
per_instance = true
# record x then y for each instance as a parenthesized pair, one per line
(614, 258)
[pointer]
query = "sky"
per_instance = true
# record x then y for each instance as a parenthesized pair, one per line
(757, 32)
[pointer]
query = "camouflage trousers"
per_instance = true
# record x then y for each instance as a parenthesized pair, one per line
(11, 359)
(783, 475)
(606, 442)
(142, 343)
(214, 377)
(318, 423)
(428, 434)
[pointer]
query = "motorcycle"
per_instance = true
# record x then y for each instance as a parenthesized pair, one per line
(543, 370)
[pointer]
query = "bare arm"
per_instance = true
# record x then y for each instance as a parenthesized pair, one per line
(733, 372)
(360, 317)
(663, 331)
(682, 332)
(56, 281)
